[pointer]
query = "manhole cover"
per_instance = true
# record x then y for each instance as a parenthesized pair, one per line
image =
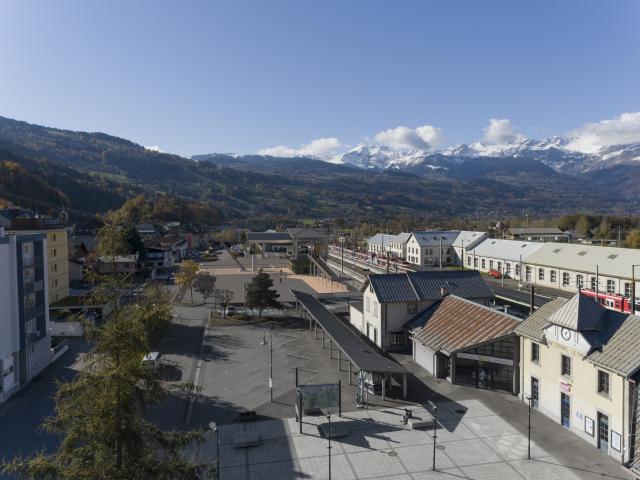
(392, 453)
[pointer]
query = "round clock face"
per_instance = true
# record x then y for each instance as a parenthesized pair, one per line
(566, 333)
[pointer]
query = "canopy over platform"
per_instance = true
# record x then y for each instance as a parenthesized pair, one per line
(354, 347)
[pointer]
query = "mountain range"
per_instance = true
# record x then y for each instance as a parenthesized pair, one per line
(89, 173)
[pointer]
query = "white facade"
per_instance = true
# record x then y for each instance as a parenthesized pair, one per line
(505, 256)
(431, 249)
(396, 245)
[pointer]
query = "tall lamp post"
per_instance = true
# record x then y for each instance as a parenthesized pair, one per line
(633, 288)
(529, 400)
(214, 428)
(329, 433)
(264, 342)
(434, 409)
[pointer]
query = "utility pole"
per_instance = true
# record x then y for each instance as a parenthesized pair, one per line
(434, 409)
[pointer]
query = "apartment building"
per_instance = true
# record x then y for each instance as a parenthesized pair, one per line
(25, 343)
(579, 365)
(57, 252)
(392, 300)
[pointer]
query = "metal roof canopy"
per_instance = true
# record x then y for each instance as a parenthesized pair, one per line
(361, 354)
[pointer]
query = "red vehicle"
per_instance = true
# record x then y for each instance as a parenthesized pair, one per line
(495, 274)
(611, 301)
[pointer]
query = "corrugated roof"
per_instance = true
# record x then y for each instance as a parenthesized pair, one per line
(620, 351)
(533, 327)
(611, 261)
(579, 313)
(467, 239)
(365, 356)
(386, 239)
(536, 230)
(428, 285)
(268, 236)
(433, 238)
(511, 250)
(455, 323)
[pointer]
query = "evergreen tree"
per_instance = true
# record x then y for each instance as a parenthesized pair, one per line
(259, 293)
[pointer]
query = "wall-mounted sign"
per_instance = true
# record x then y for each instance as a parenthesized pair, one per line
(588, 425)
(579, 415)
(565, 387)
(615, 441)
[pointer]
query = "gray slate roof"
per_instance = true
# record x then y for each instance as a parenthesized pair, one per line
(579, 313)
(536, 231)
(616, 344)
(620, 351)
(427, 285)
(533, 327)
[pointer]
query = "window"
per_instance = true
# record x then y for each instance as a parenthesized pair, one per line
(55, 252)
(566, 279)
(565, 365)
(611, 286)
(468, 260)
(541, 274)
(412, 308)
(490, 264)
(507, 268)
(579, 281)
(484, 264)
(517, 270)
(475, 263)
(553, 276)
(528, 274)
(375, 308)
(500, 266)
(594, 284)
(368, 304)
(603, 383)
(397, 338)
(627, 290)
(535, 352)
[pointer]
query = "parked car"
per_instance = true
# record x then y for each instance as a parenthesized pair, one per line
(230, 311)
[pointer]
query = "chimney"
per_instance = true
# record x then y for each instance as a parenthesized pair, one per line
(444, 292)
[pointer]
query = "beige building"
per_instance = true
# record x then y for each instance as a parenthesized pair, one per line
(579, 364)
(57, 255)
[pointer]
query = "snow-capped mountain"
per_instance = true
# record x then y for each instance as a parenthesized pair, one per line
(556, 152)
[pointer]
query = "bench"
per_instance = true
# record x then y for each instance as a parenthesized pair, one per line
(246, 440)
(417, 422)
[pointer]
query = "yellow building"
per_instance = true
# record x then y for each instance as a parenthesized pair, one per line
(579, 365)
(57, 246)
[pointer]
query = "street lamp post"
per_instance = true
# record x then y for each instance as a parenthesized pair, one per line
(214, 427)
(434, 409)
(633, 288)
(529, 400)
(328, 414)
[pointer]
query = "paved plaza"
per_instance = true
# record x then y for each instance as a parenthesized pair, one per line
(472, 443)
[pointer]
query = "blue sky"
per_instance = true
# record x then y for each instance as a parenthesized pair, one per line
(238, 76)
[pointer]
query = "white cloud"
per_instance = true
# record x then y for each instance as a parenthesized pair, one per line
(422, 138)
(501, 132)
(154, 148)
(320, 147)
(616, 131)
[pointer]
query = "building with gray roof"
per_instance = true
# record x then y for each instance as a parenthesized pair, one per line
(579, 365)
(391, 300)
